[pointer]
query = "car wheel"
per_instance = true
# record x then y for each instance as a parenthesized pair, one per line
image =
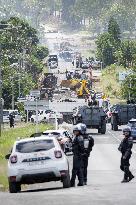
(66, 181)
(99, 130)
(14, 187)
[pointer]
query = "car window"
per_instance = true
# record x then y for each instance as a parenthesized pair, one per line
(35, 146)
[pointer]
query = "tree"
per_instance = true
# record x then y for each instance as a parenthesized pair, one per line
(21, 54)
(129, 87)
(105, 49)
(114, 31)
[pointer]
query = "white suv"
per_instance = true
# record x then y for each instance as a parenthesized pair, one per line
(37, 160)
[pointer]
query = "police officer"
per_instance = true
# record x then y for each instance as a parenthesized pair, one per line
(78, 151)
(88, 145)
(11, 120)
(125, 149)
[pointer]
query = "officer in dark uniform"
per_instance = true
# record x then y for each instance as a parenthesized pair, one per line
(11, 120)
(125, 148)
(78, 151)
(88, 145)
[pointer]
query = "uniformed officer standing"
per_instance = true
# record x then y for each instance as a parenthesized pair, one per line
(88, 145)
(125, 148)
(11, 120)
(78, 151)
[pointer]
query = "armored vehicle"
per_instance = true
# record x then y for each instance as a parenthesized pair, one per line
(121, 114)
(92, 116)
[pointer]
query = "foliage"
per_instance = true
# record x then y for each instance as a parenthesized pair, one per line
(111, 49)
(105, 48)
(22, 58)
(110, 83)
(73, 11)
(129, 87)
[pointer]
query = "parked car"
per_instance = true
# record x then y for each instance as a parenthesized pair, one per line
(132, 126)
(85, 65)
(37, 160)
(64, 138)
(53, 65)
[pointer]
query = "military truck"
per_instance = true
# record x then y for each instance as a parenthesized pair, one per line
(92, 116)
(121, 114)
(48, 85)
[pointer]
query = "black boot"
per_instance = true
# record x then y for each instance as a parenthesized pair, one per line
(131, 176)
(72, 184)
(80, 184)
(124, 181)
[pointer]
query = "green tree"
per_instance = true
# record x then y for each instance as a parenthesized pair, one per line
(114, 31)
(129, 87)
(105, 49)
(20, 54)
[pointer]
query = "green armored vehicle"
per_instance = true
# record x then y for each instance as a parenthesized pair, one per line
(121, 114)
(92, 116)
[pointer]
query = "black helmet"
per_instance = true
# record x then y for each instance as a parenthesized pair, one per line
(83, 128)
(127, 129)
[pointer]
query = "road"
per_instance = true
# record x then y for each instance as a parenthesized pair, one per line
(104, 178)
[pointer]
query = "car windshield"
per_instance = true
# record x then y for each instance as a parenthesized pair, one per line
(35, 146)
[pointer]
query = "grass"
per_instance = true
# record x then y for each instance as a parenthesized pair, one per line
(6, 142)
(110, 85)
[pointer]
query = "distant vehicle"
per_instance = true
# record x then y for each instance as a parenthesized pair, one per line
(85, 65)
(121, 114)
(96, 64)
(92, 116)
(52, 58)
(37, 160)
(132, 125)
(64, 138)
(53, 65)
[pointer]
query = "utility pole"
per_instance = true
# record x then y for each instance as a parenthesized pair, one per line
(12, 86)
(1, 106)
(130, 86)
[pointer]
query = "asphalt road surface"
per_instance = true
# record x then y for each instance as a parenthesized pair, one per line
(104, 177)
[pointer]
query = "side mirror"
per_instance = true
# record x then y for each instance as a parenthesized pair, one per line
(7, 156)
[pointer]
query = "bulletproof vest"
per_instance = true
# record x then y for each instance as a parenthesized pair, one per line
(88, 143)
(76, 145)
(125, 145)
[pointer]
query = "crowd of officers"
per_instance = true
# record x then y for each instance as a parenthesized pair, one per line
(82, 146)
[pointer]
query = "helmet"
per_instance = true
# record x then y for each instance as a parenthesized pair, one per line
(127, 129)
(83, 128)
(77, 128)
